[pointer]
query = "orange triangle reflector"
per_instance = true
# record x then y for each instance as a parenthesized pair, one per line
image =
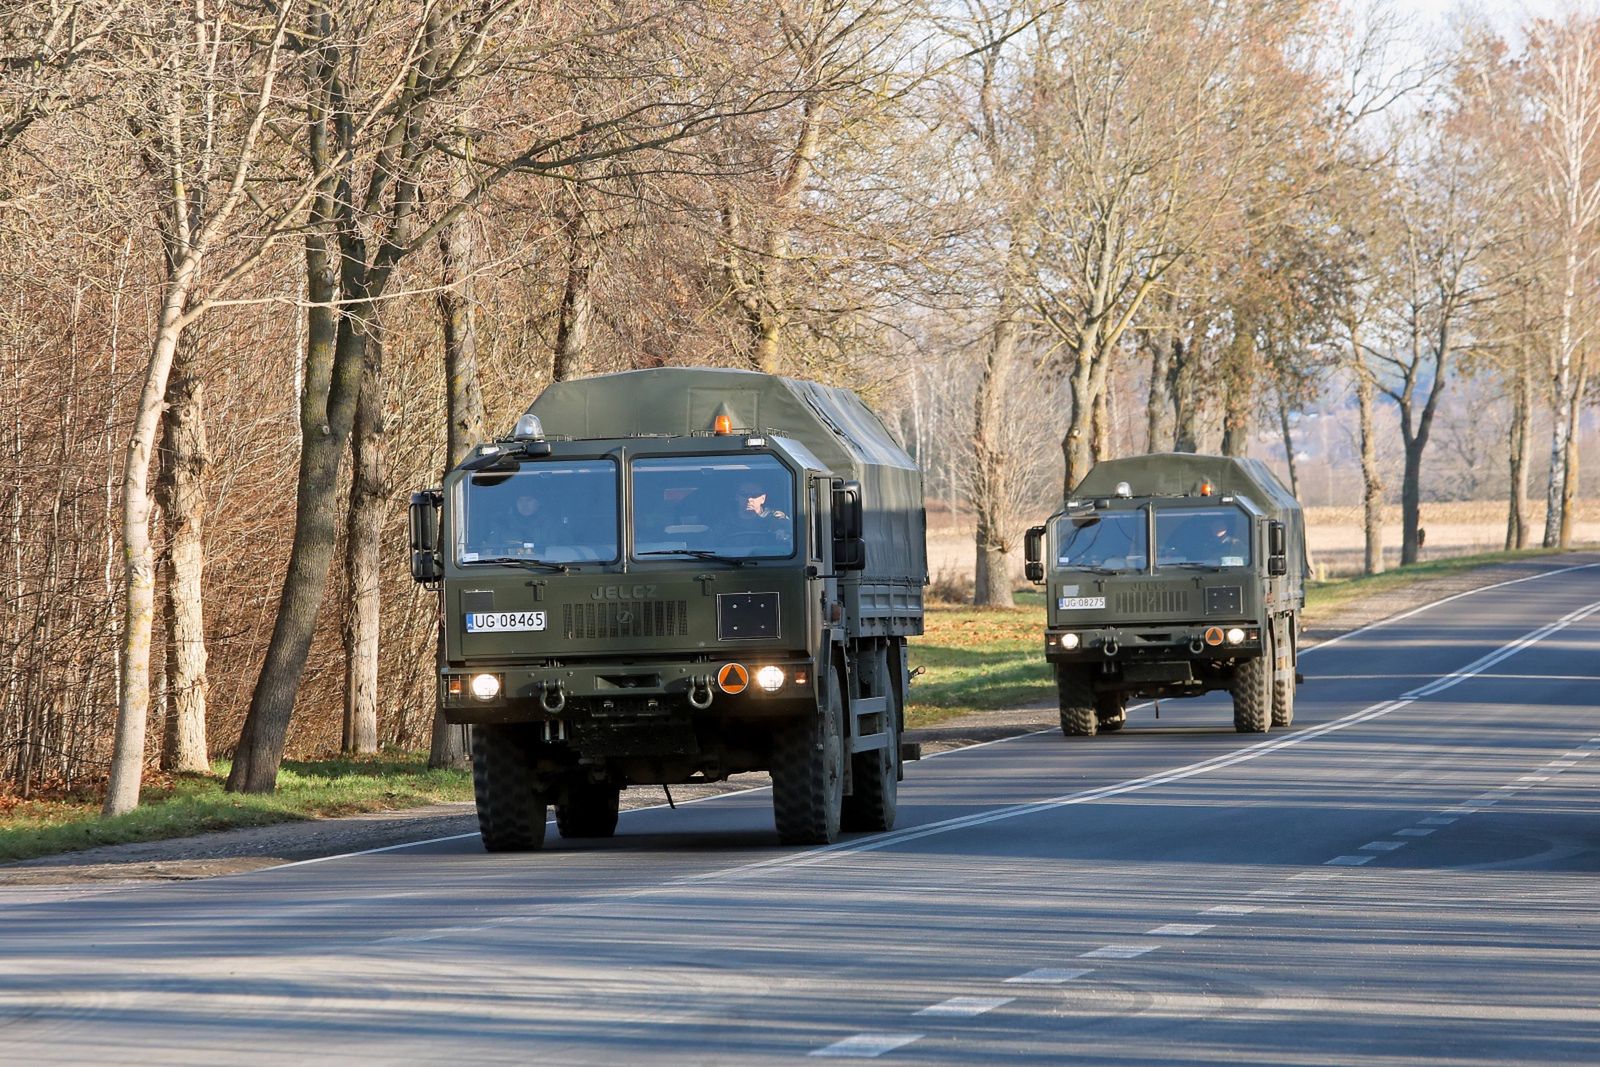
(733, 678)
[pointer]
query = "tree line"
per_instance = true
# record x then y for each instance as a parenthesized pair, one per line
(269, 264)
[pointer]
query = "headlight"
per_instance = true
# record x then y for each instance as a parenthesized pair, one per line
(770, 678)
(1235, 636)
(1069, 641)
(485, 686)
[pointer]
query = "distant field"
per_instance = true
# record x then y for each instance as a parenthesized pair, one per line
(1334, 533)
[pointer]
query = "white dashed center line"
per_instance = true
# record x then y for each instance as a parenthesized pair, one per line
(1534, 778)
(1348, 861)
(866, 1046)
(964, 1007)
(1382, 846)
(1048, 976)
(1117, 952)
(1232, 909)
(1415, 832)
(1438, 820)
(1180, 930)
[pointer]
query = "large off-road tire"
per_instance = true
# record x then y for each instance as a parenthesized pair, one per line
(511, 813)
(1076, 697)
(875, 779)
(590, 811)
(1252, 691)
(808, 773)
(1283, 686)
(1110, 712)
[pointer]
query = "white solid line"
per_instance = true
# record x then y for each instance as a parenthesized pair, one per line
(866, 1046)
(1117, 952)
(1348, 861)
(1048, 976)
(1463, 811)
(1180, 929)
(1414, 832)
(964, 1007)
(1232, 909)
(1382, 846)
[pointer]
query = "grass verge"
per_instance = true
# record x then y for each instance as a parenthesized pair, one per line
(190, 804)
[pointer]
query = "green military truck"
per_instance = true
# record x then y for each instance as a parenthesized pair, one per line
(1169, 576)
(671, 576)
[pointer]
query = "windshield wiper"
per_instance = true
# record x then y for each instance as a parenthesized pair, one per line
(1192, 565)
(517, 561)
(697, 553)
(1092, 569)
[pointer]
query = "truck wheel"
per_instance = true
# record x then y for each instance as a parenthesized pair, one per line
(808, 774)
(511, 814)
(590, 811)
(1110, 712)
(1252, 691)
(875, 775)
(1283, 691)
(1076, 698)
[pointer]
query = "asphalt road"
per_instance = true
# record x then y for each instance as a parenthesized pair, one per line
(1409, 874)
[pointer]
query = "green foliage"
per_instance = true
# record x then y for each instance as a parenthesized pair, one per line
(192, 804)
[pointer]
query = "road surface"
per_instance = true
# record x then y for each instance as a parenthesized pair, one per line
(1409, 874)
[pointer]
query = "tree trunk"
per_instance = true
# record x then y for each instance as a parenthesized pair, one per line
(1077, 444)
(1569, 484)
(1517, 452)
(335, 354)
(1371, 480)
(362, 558)
(1158, 413)
(1104, 423)
(138, 619)
(991, 465)
(181, 492)
(1411, 500)
(1185, 395)
(1238, 376)
(1287, 433)
(577, 304)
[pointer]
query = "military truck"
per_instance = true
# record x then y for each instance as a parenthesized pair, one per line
(1172, 576)
(671, 576)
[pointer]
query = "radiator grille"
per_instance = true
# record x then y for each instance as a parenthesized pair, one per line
(625, 618)
(1152, 602)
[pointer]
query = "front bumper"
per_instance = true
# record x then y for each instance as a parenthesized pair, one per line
(529, 693)
(1155, 642)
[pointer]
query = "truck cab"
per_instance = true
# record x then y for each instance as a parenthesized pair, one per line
(1172, 576)
(663, 608)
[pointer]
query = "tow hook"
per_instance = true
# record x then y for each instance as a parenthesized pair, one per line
(697, 686)
(556, 706)
(1196, 646)
(1111, 648)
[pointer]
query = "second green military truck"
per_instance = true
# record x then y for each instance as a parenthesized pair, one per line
(1168, 576)
(670, 576)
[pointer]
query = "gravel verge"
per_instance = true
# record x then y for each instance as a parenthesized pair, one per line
(254, 848)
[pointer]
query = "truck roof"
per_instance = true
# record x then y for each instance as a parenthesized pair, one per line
(831, 422)
(1182, 474)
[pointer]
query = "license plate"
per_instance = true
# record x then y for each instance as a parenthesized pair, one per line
(1080, 603)
(493, 622)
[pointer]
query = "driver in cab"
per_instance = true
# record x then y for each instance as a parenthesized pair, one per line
(753, 521)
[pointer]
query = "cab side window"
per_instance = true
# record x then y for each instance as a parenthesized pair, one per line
(816, 520)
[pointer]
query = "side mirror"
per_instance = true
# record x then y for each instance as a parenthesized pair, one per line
(425, 564)
(1033, 554)
(1277, 549)
(849, 547)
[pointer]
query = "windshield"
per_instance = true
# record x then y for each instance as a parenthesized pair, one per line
(1215, 537)
(1105, 540)
(550, 512)
(741, 508)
